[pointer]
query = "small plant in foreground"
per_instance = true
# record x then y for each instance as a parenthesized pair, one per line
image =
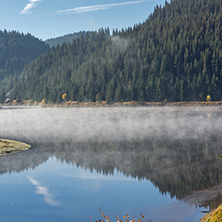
(125, 218)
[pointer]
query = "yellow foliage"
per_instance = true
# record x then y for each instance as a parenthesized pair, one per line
(64, 96)
(125, 218)
(43, 101)
(208, 98)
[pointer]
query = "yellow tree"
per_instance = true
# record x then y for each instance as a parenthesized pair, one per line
(64, 96)
(43, 102)
(208, 98)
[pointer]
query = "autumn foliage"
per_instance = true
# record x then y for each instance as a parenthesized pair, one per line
(208, 98)
(125, 218)
(64, 97)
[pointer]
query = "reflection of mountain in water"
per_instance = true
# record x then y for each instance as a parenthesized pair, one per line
(178, 164)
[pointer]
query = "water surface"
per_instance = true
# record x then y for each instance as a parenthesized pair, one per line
(158, 162)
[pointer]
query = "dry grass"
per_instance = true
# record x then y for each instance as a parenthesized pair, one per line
(10, 146)
(214, 216)
(103, 103)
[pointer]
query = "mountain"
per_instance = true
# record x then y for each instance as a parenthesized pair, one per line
(17, 50)
(65, 39)
(175, 55)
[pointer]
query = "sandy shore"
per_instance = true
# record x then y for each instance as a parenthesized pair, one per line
(10, 146)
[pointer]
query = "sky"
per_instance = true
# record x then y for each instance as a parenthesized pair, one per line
(53, 18)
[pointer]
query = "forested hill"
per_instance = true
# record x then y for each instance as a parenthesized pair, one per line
(175, 55)
(17, 50)
(65, 39)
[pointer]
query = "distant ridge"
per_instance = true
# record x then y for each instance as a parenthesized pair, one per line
(65, 39)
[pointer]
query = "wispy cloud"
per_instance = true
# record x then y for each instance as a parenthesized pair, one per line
(48, 197)
(95, 7)
(30, 5)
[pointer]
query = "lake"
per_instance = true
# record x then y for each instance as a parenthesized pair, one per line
(161, 162)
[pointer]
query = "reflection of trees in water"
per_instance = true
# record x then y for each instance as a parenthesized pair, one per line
(21, 161)
(178, 151)
(211, 197)
(174, 166)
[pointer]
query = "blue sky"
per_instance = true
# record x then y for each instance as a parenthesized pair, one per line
(52, 18)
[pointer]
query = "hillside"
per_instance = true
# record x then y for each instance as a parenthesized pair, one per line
(16, 51)
(64, 39)
(175, 55)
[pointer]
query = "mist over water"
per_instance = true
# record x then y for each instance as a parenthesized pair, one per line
(176, 149)
(108, 124)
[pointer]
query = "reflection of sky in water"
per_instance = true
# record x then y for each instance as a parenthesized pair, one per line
(62, 192)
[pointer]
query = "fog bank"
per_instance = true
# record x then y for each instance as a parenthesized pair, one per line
(108, 124)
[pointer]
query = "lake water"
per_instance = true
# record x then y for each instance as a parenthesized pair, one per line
(161, 162)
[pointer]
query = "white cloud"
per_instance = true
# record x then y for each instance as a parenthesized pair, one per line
(48, 197)
(95, 7)
(30, 5)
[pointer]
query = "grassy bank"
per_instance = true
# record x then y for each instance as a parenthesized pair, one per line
(214, 216)
(117, 104)
(10, 146)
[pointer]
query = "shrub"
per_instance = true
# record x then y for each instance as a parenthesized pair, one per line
(126, 218)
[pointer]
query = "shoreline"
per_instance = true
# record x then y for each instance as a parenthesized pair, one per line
(117, 104)
(11, 146)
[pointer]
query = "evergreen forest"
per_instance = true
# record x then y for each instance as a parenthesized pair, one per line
(16, 51)
(64, 39)
(174, 55)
